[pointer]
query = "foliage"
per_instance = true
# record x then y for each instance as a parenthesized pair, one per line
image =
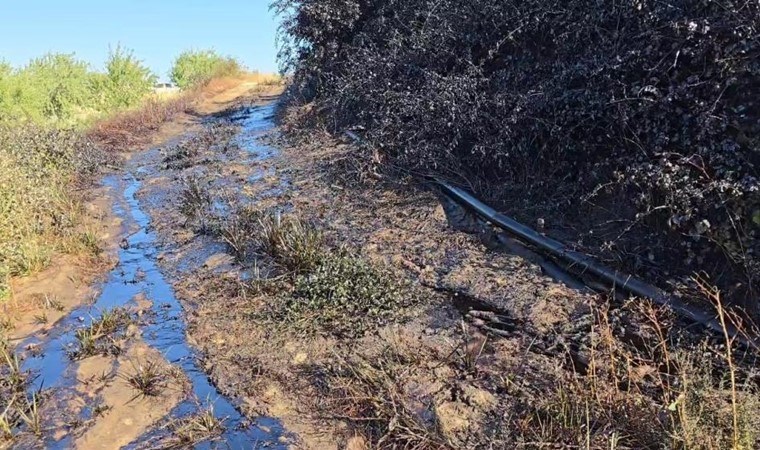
(197, 67)
(645, 100)
(126, 81)
(51, 87)
(346, 296)
(59, 89)
(37, 211)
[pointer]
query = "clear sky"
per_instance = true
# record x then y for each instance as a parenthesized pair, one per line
(156, 30)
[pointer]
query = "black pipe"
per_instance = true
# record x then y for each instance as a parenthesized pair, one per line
(616, 279)
(555, 248)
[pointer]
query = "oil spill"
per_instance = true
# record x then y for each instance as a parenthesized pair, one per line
(136, 274)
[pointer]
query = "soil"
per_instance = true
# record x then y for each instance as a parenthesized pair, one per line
(408, 231)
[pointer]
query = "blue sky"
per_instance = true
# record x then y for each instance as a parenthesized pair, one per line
(156, 30)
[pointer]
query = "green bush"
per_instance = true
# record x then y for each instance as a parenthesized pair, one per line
(126, 81)
(62, 90)
(347, 296)
(55, 85)
(196, 67)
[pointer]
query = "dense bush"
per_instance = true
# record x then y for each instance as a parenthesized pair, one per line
(38, 212)
(126, 81)
(59, 88)
(196, 67)
(654, 104)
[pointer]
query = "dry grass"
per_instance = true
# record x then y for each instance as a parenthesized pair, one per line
(99, 337)
(369, 393)
(221, 84)
(19, 410)
(131, 129)
(190, 431)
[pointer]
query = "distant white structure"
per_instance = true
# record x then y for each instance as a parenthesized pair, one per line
(165, 88)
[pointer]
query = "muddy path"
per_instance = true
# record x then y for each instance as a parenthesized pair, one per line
(118, 371)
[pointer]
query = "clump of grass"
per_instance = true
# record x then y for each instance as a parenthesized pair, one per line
(147, 378)
(30, 414)
(41, 319)
(98, 337)
(370, 394)
(196, 205)
(294, 244)
(690, 395)
(48, 301)
(238, 230)
(190, 431)
(17, 407)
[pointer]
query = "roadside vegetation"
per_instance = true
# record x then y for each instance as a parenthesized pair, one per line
(626, 129)
(60, 90)
(320, 289)
(195, 68)
(628, 121)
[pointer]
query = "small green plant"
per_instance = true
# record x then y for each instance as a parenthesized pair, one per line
(196, 67)
(345, 296)
(30, 414)
(98, 337)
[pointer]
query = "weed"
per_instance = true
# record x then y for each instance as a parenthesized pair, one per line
(90, 243)
(345, 296)
(13, 379)
(41, 319)
(97, 338)
(293, 244)
(100, 410)
(30, 415)
(148, 379)
(48, 301)
(196, 205)
(238, 232)
(469, 351)
(369, 394)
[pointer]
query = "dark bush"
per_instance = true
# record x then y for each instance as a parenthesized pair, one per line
(642, 112)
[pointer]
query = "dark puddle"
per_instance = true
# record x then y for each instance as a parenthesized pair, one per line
(138, 273)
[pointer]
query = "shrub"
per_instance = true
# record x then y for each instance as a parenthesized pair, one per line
(126, 81)
(59, 89)
(647, 101)
(53, 87)
(37, 210)
(197, 67)
(346, 296)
